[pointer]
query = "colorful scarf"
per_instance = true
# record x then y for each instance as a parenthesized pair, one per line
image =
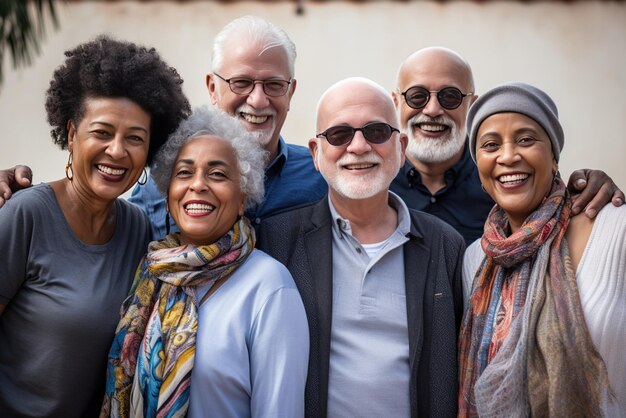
(524, 348)
(152, 355)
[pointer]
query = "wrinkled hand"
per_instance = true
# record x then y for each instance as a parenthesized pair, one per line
(14, 179)
(591, 190)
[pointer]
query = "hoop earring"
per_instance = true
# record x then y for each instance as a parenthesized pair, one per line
(69, 172)
(144, 176)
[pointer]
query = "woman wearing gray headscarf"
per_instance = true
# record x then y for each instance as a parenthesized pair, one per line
(544, 331)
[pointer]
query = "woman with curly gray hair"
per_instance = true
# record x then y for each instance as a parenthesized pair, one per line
(204, 121)
(70, 246)
(212, 325)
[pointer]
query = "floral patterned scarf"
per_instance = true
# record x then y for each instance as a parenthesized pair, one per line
(150, 361)
(524, 348)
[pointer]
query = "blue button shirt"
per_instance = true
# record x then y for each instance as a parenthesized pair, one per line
(461, 203)
(290, 181)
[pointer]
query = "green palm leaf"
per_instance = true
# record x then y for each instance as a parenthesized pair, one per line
(22, 27)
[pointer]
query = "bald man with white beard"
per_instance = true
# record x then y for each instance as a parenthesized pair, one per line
(434, 91)
(380, 283)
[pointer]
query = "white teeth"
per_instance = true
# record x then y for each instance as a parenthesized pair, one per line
(254, 118)
(111, 171)
(359, 166)
(432, 128)
(512, 178)
(198, 208)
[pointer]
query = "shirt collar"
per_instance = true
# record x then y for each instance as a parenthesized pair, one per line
(342, 226)
(281, 156)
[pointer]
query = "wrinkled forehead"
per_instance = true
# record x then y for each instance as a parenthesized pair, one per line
(208, 150)
(203, 140)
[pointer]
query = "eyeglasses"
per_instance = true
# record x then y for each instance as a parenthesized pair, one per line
(242, 85)
(449, 97)
(374, 133)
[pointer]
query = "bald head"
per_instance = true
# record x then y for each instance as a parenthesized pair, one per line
(355, 92)
(436, 132)
(358, 169)
(442, 59)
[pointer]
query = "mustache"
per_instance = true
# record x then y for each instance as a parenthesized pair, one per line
(246, 108)
(351, 159)
(441, 120)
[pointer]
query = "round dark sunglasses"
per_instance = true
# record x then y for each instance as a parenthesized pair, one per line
(449, 97)
(374, 133)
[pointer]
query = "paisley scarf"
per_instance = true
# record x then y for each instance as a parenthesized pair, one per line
(150, 361)
(524, 348)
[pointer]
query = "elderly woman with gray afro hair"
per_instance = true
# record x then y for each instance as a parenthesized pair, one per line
(205, 121)
(212, 325)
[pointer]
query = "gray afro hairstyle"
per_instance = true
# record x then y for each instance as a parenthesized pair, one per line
(251, 158)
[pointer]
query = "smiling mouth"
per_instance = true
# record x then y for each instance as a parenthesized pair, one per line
(512, 178)
(110, 170)
(198, 208)
(362, 166)
(432, 127)
(255, 119)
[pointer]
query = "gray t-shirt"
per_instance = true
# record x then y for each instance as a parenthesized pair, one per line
(62, 302)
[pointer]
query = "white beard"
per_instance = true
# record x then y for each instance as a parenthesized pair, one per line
(434, 150)
(359, 187)
(263, 136)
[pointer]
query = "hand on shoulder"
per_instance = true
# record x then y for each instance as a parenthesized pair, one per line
(591, 190)
(12, 180)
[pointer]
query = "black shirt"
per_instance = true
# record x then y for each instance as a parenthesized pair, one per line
(461, 203)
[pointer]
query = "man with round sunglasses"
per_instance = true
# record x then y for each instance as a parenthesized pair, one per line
(435, 89)
(380, 282)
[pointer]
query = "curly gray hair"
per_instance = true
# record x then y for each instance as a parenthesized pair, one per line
(251, 158)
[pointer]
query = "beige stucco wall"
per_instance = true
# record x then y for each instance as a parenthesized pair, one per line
(576, 52)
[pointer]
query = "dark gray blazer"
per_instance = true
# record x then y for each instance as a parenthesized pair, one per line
(301, 239)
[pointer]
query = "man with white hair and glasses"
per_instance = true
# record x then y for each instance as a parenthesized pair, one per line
(252, 79)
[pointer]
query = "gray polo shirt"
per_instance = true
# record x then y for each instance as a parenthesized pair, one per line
(369, 350)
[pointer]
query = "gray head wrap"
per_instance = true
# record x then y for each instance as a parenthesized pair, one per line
(517, 98)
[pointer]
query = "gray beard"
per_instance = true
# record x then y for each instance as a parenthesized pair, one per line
(431, 151)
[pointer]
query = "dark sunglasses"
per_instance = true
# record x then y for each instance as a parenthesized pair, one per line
(374, 133)
(449, 97)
